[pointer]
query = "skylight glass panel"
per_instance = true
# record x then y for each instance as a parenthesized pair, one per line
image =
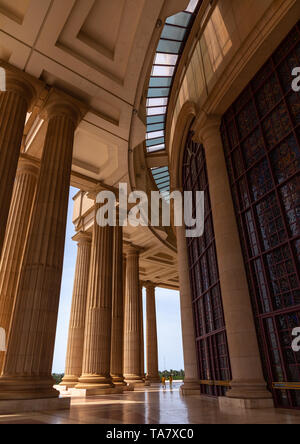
(180, 19)
(192, 6)
(154, 149)
(169, 46)
(153, 142)
(163, 182)
(173, 33)
(156, 119)
(158, 92)
(166, 59)
(157, 127)
(165, 71)
(160, 101)
(160, 82)
(159, 170)
(162, 175)
(155, 134)
(156, 111)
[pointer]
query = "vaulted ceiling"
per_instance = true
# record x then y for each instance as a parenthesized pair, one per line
(96, 50)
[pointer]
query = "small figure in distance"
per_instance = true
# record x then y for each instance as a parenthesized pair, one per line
(171, 381)
(163, 381)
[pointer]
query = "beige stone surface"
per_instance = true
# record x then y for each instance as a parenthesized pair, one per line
(247, 374)
(152, 346)
(191, 382)
(14, 105)
(15, 239)
(141, 302)
(117, 336)
(78, 311)
(132, 320)
(28, 365)
(97, 344)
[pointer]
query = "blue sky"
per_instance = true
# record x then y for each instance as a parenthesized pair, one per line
(167, 308)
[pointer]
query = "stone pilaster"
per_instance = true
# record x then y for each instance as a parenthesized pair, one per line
(191, 381)
(152, 347)
(15, 238)
(28, 364)
(78, 311)
(132, 320)
(117, 339)
(248, 384)
(95, 376)
(14, 105)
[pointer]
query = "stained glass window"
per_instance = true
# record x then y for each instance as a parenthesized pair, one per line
(211, 340)
(261, 136)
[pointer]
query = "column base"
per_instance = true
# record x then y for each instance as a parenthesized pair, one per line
(153, 379)
(86, 392)
(69, 382)
(243, 404)
(190, 388)
(27, 388)
(247, 395)
(33, 405)
(119, 381)
(97, 383)
(134, 379)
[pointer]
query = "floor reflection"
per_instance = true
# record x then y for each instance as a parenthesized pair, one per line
(152, 405)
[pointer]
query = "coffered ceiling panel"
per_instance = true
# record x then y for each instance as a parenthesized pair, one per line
(23, 18)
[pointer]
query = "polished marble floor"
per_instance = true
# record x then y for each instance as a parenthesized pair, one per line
(152, 406)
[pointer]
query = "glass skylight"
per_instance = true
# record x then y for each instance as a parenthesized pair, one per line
(169, 50)
(167, 57)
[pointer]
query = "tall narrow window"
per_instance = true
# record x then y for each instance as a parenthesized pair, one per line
(211, 340)
(261, 135)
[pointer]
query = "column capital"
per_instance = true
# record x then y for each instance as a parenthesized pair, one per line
(82, 237)
(60, 104)
(22, 83)
(29, 165)
(209, 125)
(132, 250)
(149, 285)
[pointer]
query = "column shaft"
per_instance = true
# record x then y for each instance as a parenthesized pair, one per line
(142, 332)
(191, 381)
(117, 339)
(97, 345)
(132, 321)
(14, 105)
(78, 311)
(28, 364)
(248, 380)
(152, 348)
(15, 239)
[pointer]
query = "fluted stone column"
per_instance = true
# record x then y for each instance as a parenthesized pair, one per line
(248, 384)
(15, 238)
(191, 381)
(78, 311)
(152, 347)
(14, 105)
(95, 376)
(132, 321)
(142, 332)
(117, 339)
(28, 364)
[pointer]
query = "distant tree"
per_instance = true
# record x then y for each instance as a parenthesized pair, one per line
(178, 375)
(58, 377)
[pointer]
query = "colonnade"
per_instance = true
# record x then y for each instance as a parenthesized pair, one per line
(105, 348)
(106, 330)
